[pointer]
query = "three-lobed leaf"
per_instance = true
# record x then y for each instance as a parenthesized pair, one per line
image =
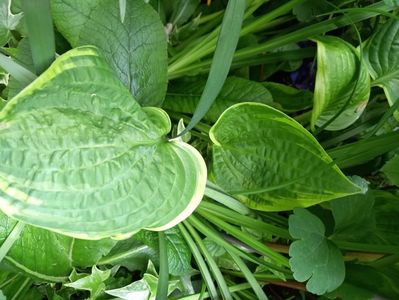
(87, 161)
(313, 256)
(271, 162)
(8, 21)
(135, 48)
(342, 85)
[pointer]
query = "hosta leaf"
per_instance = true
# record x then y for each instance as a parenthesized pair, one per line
(183, 96)
(47, 255)
(313, 256)
(342, 84)
(382, 57)
(8, 21)
(136, 48)
(87, 161)
(271, 161)
(391, 170)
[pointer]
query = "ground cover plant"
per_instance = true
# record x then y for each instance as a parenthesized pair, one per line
(186, 149)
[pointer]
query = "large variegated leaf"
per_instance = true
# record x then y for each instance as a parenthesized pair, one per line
(79, 156)
(271, 162)
(48, 255)
(342, 84)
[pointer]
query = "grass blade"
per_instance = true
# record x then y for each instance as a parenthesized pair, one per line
(20, 73)
(163, 283)
(41, 32)
(211, 262)
(249, 276)
(226, 45)
(206, 275)
(122, 9)
(11, 239)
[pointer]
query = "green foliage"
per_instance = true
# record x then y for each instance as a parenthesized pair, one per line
(77, 184)
(271, 161)
(313, 256)
(391, 170)
(8, 21)
(342, 85)
(136, 48)
(381, 55)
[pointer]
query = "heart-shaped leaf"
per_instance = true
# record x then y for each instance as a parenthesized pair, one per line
(271, 162)
(313, 256)
(342, 84)
(79, 156)
(382, 57)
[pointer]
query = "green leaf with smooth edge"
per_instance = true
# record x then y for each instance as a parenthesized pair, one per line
(353, 216)
(183, 10)
(224, 52)
(47, 255)
(179, 254)
(382, 57)
(313, 256)
(289, 98)
(8, 21)
(87, 161)
(183, 96)
(94, 283)
(391, 170)
(136, 49)
(342, 85)
(271, 162)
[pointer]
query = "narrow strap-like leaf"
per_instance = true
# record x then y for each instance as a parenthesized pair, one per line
(122, 9)
(162, 290)
(41, 34)
(20, 73)
(226, 45)
(11, 239)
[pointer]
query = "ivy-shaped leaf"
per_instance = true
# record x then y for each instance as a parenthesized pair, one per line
(94, 283)
(313, 256)
(135, 48)
(87, 161)
(271, 162)
(342, 85)
(8, 21)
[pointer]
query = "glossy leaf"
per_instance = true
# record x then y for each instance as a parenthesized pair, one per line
(87, 161)
(391, 170)
(47, 255)
(342, 84)
(8, 21)
(313, 256)
(136, 48)
(382, 57)
(183, 96)
(271, 161)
